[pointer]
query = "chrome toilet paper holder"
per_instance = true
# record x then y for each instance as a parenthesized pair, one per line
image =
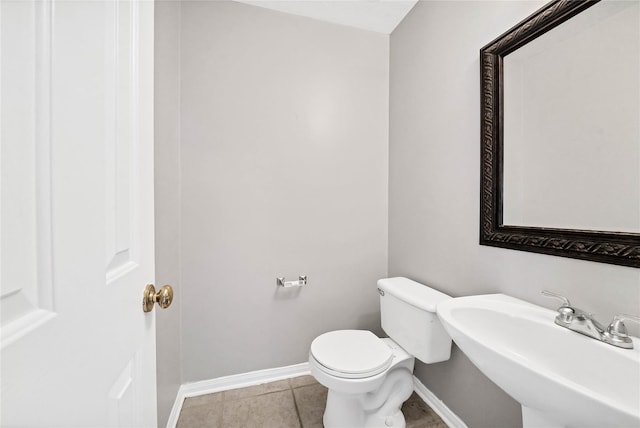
(302, 280)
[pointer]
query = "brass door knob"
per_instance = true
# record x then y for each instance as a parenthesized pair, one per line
(163, 297)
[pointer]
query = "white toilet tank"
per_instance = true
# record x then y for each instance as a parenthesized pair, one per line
(408, 312)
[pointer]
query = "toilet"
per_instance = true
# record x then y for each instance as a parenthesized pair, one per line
(369, 378)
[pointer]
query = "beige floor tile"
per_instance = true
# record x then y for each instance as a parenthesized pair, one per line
(253, 391)
(297, 382)
(202, 400)
(273, 410)
(311, 400)
(419, 415)
(279, 385)
(250, 391)
(439, 424)
(208, 415)
(426, 424)
(277, 405)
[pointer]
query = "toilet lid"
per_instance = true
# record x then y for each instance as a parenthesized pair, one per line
(352, 353)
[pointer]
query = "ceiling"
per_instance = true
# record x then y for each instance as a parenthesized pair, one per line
(381, 16)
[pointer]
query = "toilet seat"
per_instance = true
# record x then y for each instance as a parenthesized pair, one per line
(351, 354)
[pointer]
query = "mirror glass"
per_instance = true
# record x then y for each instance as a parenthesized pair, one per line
(571, 155)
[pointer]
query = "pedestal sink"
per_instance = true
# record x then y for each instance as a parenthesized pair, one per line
(561, 378)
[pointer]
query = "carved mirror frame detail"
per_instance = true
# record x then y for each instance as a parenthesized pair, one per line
(619, 248)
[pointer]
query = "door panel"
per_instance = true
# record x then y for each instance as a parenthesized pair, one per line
(120, 138)
(27, 297)
(76, 223)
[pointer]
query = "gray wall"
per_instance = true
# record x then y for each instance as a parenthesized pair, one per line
(167, 200)
(434, 194)
(284, 172)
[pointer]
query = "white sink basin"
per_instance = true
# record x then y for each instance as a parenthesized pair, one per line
(560, 377)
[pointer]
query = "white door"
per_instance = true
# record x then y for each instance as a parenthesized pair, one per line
(76, 213)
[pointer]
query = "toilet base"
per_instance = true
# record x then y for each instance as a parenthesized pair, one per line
(395, 421)
(350, 415)
(343, 410)
(378, 409)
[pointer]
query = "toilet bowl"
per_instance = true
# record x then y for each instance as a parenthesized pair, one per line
(361, 383)
(368, 378)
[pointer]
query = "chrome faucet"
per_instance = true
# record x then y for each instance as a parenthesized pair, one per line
(584, 323)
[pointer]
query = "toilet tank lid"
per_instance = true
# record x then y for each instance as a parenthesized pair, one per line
(414, 293)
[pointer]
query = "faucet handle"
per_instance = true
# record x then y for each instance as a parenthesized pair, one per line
(617, 332)
(617, 327)
(565, 312)
(564, 300)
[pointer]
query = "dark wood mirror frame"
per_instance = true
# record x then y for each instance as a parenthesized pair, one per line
(618, 248)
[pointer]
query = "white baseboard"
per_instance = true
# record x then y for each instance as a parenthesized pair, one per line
(271, 375)
(448, 417)
(232, 382)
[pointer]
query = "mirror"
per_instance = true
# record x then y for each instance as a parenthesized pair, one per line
(560, 136)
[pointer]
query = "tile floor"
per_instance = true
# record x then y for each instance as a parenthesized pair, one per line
(291, 403)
